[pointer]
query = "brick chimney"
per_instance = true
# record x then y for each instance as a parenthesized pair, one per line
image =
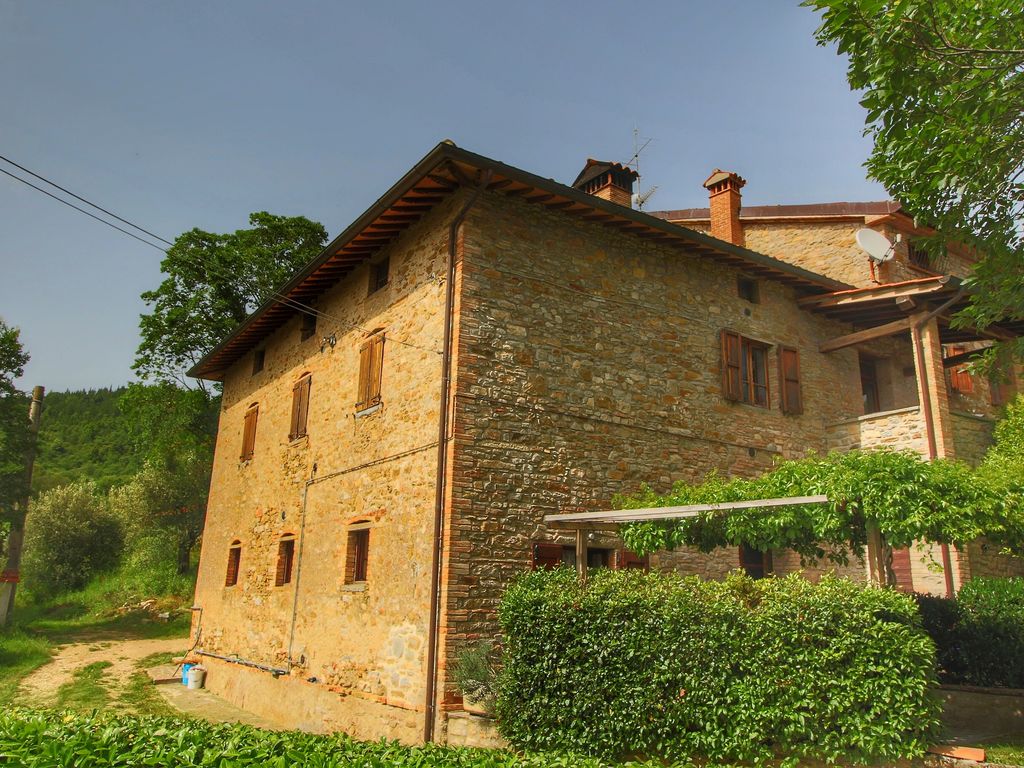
(724, 189)
(609, 181)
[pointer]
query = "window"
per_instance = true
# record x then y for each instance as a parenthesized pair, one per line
(285, 560)
(357, 553)
(553, 555)
(371, 361)
(789, 381)
(1000, 384)
(756, 563)
(308, 327)
(869, 385)
(960, 380)
(300, 407)
(379, 275)
(744, 369)
(258, 358)
(748, 289)
(918, 256)
(249, 432)
(626, 560)
(234, 560)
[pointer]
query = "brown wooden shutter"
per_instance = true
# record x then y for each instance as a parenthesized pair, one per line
(357, 556)
(626, 560)
(732, 385)
(249, 433)
(959, 379)
(789, 381)
(901, 569)
(546, 555)
(371, 364)
(234, 561)
(300, 407)
(285, 558)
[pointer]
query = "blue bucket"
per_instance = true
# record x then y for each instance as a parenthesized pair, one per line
(184, 673)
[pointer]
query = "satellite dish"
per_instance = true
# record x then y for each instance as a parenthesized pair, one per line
(875, 245)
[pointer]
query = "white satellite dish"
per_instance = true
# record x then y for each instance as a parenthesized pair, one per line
(875, 245)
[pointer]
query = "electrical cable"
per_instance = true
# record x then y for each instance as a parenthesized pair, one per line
(87, 202)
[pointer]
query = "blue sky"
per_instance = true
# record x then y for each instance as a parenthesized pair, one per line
(194, 114)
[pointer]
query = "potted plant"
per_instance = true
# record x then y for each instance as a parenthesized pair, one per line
(475, 672)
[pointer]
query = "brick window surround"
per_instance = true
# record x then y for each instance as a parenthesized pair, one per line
(744, 369)
(234, 562)
(285, 560)
(249, 432)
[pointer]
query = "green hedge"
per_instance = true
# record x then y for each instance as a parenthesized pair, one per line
(741, 670)
(44, 739)
(979, 635)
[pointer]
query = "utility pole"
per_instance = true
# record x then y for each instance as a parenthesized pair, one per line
(16, 537)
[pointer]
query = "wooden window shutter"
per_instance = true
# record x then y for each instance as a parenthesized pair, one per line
(959, 379)
(300, 407)
(285, 559)
(249, 433)
(732, 381)
(546, 555)
(371, 364)
(234, 561)
(357, 555)
(789, 381)
(626, 560)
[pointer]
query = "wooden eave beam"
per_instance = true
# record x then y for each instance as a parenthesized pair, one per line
(875, 294)
(859, 337)
(963, 357)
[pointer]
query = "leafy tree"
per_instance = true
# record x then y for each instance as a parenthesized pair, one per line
(908, 499)
(1003, 470)
(69, 537)
(943, 85)
(213, 281)
(14, 427)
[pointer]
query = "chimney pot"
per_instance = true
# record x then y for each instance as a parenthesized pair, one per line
(725, 199)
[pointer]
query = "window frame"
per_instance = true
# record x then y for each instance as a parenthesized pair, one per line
(790, 402)
(960, 379)
(378, 268)
(739, 370)
(259, 358)
(867, 364)
(357, 553)
(307, 325)
(300, 407)
(249, 425)
(748, 289)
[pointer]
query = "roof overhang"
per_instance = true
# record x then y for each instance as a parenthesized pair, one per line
(888, 304)
(442, 172)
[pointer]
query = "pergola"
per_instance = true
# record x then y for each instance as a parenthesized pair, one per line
(610, 520)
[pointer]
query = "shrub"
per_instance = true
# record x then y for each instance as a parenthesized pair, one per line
(475, 671)
(69, 537)
(741, 670)
(979, 635)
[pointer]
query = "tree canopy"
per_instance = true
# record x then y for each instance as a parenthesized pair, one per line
(14, 426)
(943, 85)
(213, 281)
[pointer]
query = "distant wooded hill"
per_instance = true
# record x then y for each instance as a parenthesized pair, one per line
(84, 436)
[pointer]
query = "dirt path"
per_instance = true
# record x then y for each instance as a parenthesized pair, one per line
(40, 688)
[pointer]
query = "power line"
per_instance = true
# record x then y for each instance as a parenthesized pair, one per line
(82, 210)
(87, 202)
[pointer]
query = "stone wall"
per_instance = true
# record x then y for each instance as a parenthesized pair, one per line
(589, 365)
(972, 436)
(365, 641)
(902, 429)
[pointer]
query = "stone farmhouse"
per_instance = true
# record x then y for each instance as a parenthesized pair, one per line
(483, 347)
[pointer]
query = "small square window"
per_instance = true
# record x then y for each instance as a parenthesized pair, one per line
(379, 275)
(308, 327)
(258, 358)
(748, 289)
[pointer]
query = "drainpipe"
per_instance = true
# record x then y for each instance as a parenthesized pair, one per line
(442, 462)
(298, 567)
(929, 416)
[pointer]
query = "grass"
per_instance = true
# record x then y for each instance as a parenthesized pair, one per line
(85, 692)
(140, 696)
(20, 654)
(1007, 750)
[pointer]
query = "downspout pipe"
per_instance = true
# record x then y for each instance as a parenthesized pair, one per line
(433, 630)
(929, 416)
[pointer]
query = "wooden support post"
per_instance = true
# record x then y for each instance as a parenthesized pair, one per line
(581, 554)
(16, 536)
(875, 555)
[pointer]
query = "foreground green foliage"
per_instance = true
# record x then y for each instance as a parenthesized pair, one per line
(657, 665)
(14, 431)
(979, 635)
(83, 437)
(942, 82)
(907, 498)
(59, 739)
(21, 652)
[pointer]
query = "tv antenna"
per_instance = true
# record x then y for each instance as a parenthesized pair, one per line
(641, 196)
(875, 245)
